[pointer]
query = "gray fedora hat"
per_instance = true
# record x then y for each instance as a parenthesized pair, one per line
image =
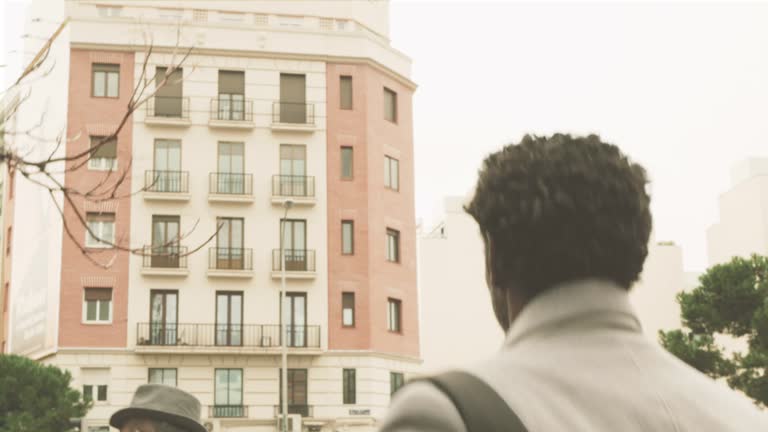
(163, 403)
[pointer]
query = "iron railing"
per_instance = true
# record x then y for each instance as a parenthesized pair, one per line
(293, 112)
(166, 181)
(226, 335)
(230, 183)
(230, 259)
(168, 107)
(224, 411)
(296, 260)
(302, 410)
(165, 256)
(293, 186)
(231, 108)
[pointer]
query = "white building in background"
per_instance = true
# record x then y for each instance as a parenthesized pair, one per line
(743, 226)
(457, 322)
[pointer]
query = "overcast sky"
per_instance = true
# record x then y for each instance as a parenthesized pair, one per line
(682, 88)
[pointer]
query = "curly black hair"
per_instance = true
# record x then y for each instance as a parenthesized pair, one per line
(562, 208)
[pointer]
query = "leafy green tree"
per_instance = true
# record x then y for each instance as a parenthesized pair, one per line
(35, 397)
(731, 299)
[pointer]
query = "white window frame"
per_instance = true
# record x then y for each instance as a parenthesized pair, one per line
(102, 164)
(95, 393)
(176, 371)
(92, 242)
(97, 321)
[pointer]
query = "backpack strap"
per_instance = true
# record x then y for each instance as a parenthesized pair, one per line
(481, 408)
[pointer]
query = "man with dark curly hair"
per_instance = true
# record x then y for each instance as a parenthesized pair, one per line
(566, 222)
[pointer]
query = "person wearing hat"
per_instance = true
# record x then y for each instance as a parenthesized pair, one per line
(159, 408)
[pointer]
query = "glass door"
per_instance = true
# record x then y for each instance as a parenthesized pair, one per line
(293, 170)
(231, 179)
(295, 243)
(165, 241)
(167, 161)
(296, 319)
(163, 317)
(229, 319)
(229, 243)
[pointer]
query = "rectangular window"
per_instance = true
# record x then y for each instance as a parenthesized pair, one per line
(165, 241)
(390, 105)
(293, 171)
(396, 381)
(345, 83)
(350, 386)
(393, 245)
(295, 312)
(346, 163)
(347, 237)
(106, 80)
(98, 305)
(230, 254)
(104, 157)
(293, 99)
(229, 318)
(167, 175)
(163, 376)
(95, 392)
(297, 391)
(231, 95)
(101, 230)
(231, 165)
(295, 242)
(228, 387)
(391, 173)
(394, 307)
(348, 309)
(163, 310)
(169, 92)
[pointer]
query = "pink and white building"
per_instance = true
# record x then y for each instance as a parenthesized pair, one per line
(279, 101)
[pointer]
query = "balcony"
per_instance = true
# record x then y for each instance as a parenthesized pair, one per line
(164, 260)
(231, 113)
(293, 117)
(299, 264)
(299, 189)
(230, 262)
(230, 187)
(166, 185)
(302, 410)
(227, 411)
(224, 338)
(167, 111)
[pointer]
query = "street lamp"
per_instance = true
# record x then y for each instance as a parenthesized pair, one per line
(284, 372)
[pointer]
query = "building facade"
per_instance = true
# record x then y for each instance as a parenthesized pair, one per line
(265, 127)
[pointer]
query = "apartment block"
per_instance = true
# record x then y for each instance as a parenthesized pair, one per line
(286, 127)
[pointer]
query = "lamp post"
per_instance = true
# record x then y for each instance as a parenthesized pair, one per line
(284, 371)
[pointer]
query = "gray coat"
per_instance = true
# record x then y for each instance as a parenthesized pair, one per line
(576, 360)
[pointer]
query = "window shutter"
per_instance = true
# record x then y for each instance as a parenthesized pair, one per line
(107, 150)
(95, 294)
(231, 82)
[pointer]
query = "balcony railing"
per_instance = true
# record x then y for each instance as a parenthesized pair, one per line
(293, 112)
(296, 260)
(226, 335)
(231, 108)
(302, 410)
(165, 256)
(230, 259)
(293, 186)
(224, 411)
(168, 106)
(231, 183)
(166, 181)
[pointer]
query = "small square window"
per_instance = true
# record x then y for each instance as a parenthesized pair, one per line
(104, 154)
(165, 376)
(98, 305)
(106, 80)
(101, 230)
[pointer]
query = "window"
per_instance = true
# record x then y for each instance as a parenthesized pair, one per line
(345, 83)
(231, 165)
(348, 309)
(104, 158)
(347, 237)
(293, 99)
(98, 305)
(393, 245)
(350, 386)
(393, 315)
(390, 105)
(231, 95)
(295, 243)
(95, 392)
(391, 173)
(165, 242)
(167, 175)
(293, 171)
(346, 163)
(102, 225)
(297, 391)
(162, 376)
(106, 80)
(169, 91)
(163, 310)
(229, 318)
(395, 381)
(228, 390)
(229, 244)
(295, 309)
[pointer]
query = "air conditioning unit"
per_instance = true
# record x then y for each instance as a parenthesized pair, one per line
(294, 423)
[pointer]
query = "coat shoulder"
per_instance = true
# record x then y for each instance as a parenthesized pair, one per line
(420, 406)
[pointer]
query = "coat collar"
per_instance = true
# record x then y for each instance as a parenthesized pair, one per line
(582, 301)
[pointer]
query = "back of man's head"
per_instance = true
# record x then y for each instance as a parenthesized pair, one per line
(561, 208)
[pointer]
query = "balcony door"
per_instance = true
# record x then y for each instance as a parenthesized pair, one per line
(295, 314)
(231, 179)
(295, 243)
(167, 162)
(168, 98)
(297, 391)
(229, 243)
(293, 170)
(229, 318)
(293, 98)
(165, 241)
(163, 325)
(231, 95)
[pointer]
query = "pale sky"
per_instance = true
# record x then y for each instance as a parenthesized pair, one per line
(682, 88)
